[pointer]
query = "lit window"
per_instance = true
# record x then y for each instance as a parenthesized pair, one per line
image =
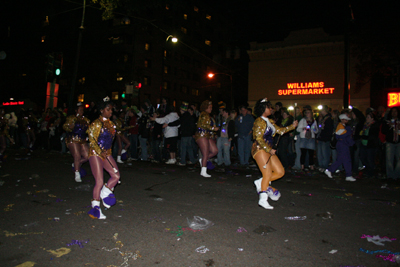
(185, 16)
(114, 95)
(195, 92)
(165, 69)
(147, 63)
(208, 17)
(81, 98)
(167, 7)
(208, 42)
(82, 80)
(184, 30)
(165, 53)
(165, 85)
(43, 38)
(146, 81)
(196, 9)
(120, 78)
(147, 46)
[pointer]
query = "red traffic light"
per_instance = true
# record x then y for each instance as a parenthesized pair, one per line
(86, 105)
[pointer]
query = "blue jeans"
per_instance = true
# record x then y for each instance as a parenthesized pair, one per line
(393, 160)
(367, 157)
(244, 149)
(224, 147)
(133, 138)
(186, 148)
(324, 153)
(143, 146)
(155, 148)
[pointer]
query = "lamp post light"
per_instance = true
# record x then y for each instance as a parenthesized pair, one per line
(173, 38)
(211, 75)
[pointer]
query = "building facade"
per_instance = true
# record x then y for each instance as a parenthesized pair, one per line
(307, 68)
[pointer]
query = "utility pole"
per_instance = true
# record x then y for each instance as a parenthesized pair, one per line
(78, 50)
(346, 76)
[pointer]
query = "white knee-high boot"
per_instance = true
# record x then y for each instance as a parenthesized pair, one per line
(204, 172)
(263, 201)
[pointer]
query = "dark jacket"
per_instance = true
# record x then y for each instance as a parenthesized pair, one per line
(358, 124)
(144, 130)
(387, 129)
(373, 136)
(326, 128)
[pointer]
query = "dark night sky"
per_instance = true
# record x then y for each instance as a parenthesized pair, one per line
(254, 20)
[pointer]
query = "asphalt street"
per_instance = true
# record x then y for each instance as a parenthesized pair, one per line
(44, 219)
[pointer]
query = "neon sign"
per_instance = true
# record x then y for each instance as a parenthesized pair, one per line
(393, 100)
(310, 88)
(13, 103)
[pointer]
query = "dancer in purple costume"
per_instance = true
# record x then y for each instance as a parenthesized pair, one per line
(101, 135)
(76, 127)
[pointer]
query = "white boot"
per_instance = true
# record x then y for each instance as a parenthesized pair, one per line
(257, 183)
(95, 212)
(78, 177)
(107, 197)
(123, 151)
(263, 201)
(119, 159)
(204, 172)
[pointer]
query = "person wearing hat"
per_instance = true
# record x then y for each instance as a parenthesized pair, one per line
(344, 138)
(187, 130)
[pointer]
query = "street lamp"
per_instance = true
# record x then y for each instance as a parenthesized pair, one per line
(173, 39)
(211, 75)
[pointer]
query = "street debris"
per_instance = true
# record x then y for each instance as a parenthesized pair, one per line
(333, 251)
(202, 249)
(60, 252)
(264, 229)
(241, 229)
(78, 242)
(296, 218)
(377, 240)
(326, 215)
(9, 234)
(199, 223)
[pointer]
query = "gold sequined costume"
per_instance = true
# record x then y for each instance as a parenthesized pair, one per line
(78, 134)
(205, 126)
(263, 135)
(101, 135)
(120, 128)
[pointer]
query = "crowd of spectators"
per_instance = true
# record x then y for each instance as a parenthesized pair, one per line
(165, 134)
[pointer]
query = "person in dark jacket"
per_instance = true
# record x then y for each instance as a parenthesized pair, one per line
(144, 132)
(369, 143)
(156, 138)
(324, 135)
(357, 125)
(187, 128)
(391, 128)
(284, 150)
(225, 135)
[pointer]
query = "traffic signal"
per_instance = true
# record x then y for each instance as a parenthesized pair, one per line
(123, 95)
(58, 63)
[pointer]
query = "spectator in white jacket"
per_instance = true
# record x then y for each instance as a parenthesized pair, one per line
(307, 128)
(170, 133)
